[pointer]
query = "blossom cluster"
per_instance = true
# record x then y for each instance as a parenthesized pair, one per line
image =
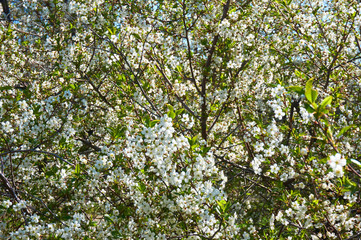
(337, 163)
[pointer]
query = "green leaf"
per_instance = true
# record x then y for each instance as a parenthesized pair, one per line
(192, 141)
(108, 219)
(92, 224)
(179, 111)
(116, 234)
(179, 68)
(137, 36)
(314, 95)
(299, 74)
(297, 89)
(153, 123)
(193, 147)
(329, 132)
(73, 86)
(223, 205)
(146, 120)
(110, 31)
(170, 107)
(77, 169)
(205, 150)
(142, 187)
(6, 88)
(171, 114)
(348, 185)
(326, 102)
(119, 130)
(309, 108)
(308, 90)
(345, 129)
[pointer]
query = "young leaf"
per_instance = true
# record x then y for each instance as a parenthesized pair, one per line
(108, 219)
(326, 102)
(146, 120)
(309, 108)
(343, 130)
(192, 141)
(116, 234)
(179, 111)
(308, 90)
(298, 74)
(297, 89)
(170, 107)
(171, 114)
(77, 169)
(314, 95)
(329, 132)
(153, 123)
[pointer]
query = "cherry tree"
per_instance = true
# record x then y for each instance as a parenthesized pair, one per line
(164, 119)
